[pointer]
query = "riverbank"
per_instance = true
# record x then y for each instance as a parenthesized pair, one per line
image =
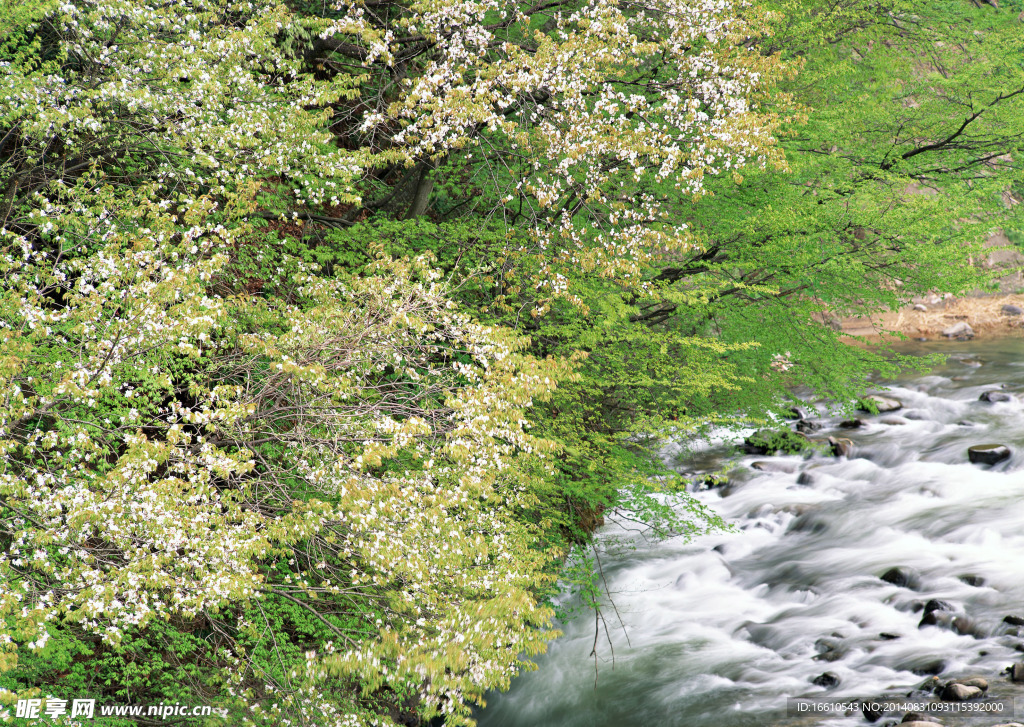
(988, 317)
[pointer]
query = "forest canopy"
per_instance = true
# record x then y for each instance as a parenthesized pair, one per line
(328, 331)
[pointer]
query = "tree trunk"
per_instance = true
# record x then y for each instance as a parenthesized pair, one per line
(421, 197)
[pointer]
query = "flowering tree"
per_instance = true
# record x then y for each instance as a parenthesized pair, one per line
(159, 459)
(332, 464)
(583, 124)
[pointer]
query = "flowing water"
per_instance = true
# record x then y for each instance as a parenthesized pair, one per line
(721, 631)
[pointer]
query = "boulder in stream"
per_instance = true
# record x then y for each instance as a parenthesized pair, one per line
(880, 404)
(1017, 672)
(937, 604)
(1011, 310)
(895, 421)
(979, 682)
(996, 397)
(954, 692)
(903, 577)
(988, 453)
(841, 447)
(852, 424)
(1013, 620)
(828, 680)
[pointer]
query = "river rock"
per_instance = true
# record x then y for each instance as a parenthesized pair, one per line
(988, 453)
(932, 685)
(1013, 620)
(1011, 310)
(979, 682)
(954, 692)
(871, 713)
(915, 415)
(894, 421)
(937, 604)
(996, 397)
(936, 618)
(972, 580)
(914, 717)
(1017, 672)
(806, 425)
(959, 330)
(882, 403)
(805, 478)
(841, 447)
(903, 577)
(811, 522)
(965, 627)
(852, 424)
(828, 680)
(796, 412)
(766, 466)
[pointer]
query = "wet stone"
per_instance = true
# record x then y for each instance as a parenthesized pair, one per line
(883, 403)
(1013, 620)
(902, 576)
(988, 453)
(806, 425)
(894, 421)
(1017, 672)
(886, 636)
(996, 397)
(965, 626)
(1011, 310)
(805, 478)
(972, 580)
(954, 692)
(828, 680)
(852, 424)
(841, 447)
(937, 604)
(931, 668)
(935, 618)
(979, 682)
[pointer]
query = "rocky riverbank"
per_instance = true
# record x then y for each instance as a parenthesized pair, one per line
(941, 318)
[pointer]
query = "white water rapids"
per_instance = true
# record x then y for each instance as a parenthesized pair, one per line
(722, 630)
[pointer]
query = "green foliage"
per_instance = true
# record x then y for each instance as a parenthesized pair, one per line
(770, 441)
(328, 337)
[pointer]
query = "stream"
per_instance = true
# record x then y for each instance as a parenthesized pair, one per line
(722, 631)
